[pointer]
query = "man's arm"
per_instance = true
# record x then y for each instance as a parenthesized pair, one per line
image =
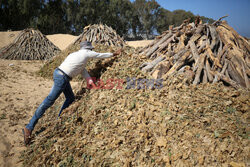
(88, 78)
(93, 54)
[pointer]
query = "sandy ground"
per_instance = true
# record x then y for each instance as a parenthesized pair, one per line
(62, 41)
(7, 37)
(21, 91)
(141, 43)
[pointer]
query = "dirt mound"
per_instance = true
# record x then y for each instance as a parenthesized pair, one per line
(7, 37)
(138, 44)
(30, 44)
(175, 123)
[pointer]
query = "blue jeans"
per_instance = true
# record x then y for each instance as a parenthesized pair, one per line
(61, 84)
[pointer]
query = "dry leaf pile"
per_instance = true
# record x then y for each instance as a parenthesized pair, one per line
(208, 52)
(101, 34)
(30, 44)
(178, 125)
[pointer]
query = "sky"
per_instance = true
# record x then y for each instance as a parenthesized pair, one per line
(238, 11)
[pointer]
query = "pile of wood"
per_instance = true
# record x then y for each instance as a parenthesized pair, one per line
(203, 52)
(100, 34)
(30, 44)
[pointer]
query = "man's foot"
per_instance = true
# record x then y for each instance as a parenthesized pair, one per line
(27, 136)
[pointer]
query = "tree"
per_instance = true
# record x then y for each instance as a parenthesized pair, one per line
(140, 17)
(17, 14)
(10, 18)
(147, 12)
(165, 19)
(180, 15)
(28, 16)
(53, 18)
(118, 15)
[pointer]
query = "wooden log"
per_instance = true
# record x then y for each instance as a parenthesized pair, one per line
(226, 79)
(214, 35)
(205, 77)
(212, 57)
(178, 64)
(161, 69)
(199, 29)
(200, 64)
(245, 76)
(181, 44)
(224, 67)
(208, 70)
(194, 50)
(146, 67)
(223, 51)
(195, 37)
(162, 46)
(178, 55)
(156, 46)
(233, 73)
(219, 20)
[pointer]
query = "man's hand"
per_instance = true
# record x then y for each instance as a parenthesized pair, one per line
(90, 83)
(116, 53)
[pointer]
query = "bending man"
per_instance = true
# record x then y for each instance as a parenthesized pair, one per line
(73, 65)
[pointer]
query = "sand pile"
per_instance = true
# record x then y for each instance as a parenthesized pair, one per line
(62, 41)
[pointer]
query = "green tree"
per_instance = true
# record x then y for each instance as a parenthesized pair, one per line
(207, 20)
(17, 14)
(164, 20)
(10, 18)
(180, 15)
(118, 15)
(148, 12)
(53, 18)
(29, 17)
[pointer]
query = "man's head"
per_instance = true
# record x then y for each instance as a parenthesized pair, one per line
(86, 45)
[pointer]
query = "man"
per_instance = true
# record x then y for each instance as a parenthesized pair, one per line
(73, 65)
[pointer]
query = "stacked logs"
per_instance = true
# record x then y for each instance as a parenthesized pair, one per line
(203, 52)
(30, 44)
(101, 34)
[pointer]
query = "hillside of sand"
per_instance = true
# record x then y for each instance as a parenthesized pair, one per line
(62, 41)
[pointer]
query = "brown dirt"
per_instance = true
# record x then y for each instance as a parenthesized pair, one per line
(62, 41)
(7, 37)
(137, 44)
(21, 92)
